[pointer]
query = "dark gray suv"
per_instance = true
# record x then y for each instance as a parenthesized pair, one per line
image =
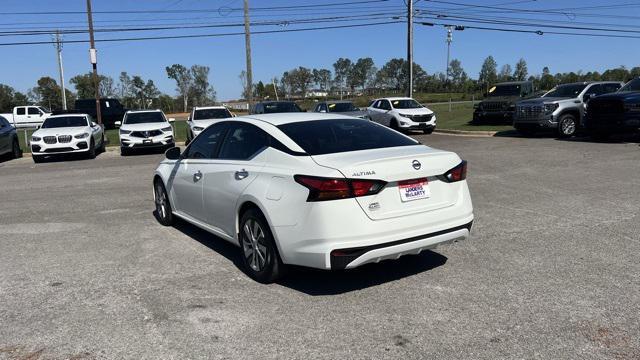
(562, 109)
(9, 139)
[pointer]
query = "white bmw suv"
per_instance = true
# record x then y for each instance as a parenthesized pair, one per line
(67, 134)
(318, 190)
(145, 129)
(202, 117)
(402, 114)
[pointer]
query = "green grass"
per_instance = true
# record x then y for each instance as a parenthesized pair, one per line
(459, 118)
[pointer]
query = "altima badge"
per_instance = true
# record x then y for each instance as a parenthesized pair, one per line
(416, 164)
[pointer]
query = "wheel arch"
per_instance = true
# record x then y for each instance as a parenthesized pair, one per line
(572, 111)
(246, 204)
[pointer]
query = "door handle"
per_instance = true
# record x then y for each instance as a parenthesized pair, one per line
(241, 174)
(197, 176)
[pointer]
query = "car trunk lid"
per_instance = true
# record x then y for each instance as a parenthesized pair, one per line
(396, 166)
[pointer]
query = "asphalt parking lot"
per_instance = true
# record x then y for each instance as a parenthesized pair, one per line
(551, 271)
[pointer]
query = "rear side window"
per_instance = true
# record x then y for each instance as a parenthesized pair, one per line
(20, 111)
(243, 142)
(335, 136)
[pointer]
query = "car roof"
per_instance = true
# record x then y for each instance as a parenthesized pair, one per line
(512, 83)
(209, 107)
(338, 101)
(395, 98)
(68, 115)
(143, 111)
(277, 119)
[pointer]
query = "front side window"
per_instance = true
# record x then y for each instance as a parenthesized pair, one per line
(205, 145)
(64, 121)
(34, 111)
(384, 105)
(335, 136)
(144, 117)
(243, 142)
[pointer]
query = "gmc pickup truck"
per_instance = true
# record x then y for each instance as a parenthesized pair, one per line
(615, 113)
(562, 109)
(27, 116)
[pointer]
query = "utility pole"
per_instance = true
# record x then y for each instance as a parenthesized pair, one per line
(247, 44)
(275, 89)
(61, 69)
(449, 40)
(410, 46)
(93, 56)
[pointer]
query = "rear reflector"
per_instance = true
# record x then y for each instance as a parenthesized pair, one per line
(458, 173)
(322, 189)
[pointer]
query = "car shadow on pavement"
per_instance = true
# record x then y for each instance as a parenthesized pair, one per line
(67, 157)
(316, 282)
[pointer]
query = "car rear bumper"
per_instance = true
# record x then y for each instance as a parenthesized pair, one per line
(332, 227)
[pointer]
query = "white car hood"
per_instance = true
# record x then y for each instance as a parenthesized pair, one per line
(206, 123)
(145, 126)
(62, 131)
(418, 111)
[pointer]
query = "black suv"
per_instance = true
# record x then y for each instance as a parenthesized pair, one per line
(272, 107)
(110, 109)
(615, 113)
(500, 103)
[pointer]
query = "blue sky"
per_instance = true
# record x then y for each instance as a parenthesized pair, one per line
(274, 53)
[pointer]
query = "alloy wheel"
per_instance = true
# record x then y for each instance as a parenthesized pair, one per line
(568, 126)
(161, 202)
(254, 245)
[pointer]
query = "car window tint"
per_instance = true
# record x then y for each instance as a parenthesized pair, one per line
(33, 111)
(243, 142)
(610, 88)
(20, 111)
(205, 145)
(335, 136)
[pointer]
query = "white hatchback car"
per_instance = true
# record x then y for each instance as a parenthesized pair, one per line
(145, 129)
(317, 190)
(402, 114)
(202, 117)
(67, 134)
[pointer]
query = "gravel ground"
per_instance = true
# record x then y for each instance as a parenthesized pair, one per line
(551, 270)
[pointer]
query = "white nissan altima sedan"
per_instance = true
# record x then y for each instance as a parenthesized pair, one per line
(317, 190)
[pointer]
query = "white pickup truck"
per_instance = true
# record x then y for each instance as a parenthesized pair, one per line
(27, 116)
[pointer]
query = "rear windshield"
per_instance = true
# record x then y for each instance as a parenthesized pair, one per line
(64, 121)
(506, 90)
(281, 107)
(566, 91)
(342, 107)
(206, 114)
(144, 117)
(321, 137)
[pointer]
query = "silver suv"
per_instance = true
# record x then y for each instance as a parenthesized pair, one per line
(561, 109)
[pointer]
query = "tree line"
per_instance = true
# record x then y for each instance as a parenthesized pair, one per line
(348, 77)
(192, 87)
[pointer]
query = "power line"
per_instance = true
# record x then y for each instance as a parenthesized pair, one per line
(266, 8)
(205, 35)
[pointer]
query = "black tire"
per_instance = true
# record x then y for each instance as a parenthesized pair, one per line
(256, 238)
(163, 205)
(16, 151)
(567, 126)
(428, 131)
(102, 145)
(124, 151)
(37, 158)
(91, 153)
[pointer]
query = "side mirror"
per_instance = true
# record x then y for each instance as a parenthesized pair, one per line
(173, 153)
(587, 97)
(172, 120)
(117, 123)
(93, 124)
(233, 114)
(41, 114)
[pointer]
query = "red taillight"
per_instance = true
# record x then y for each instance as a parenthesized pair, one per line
(458, 173)
(321, 189)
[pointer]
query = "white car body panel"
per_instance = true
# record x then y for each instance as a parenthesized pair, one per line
(163, 138)
(95, 132)
(307, 232)
(385, 117)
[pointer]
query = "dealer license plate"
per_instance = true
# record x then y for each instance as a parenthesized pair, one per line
(414, 190)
